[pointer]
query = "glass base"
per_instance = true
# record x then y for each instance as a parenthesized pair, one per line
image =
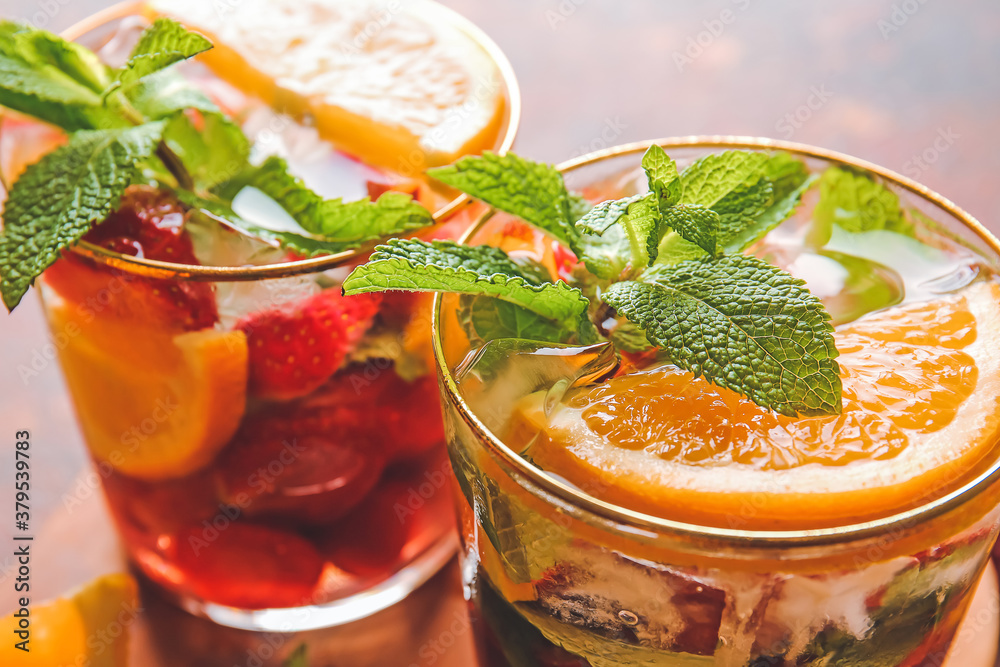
(338, 612)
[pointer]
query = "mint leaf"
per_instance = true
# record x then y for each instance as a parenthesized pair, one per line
(786, 173)
(59, 198)
(742, 324)
(695, 223)
(630, 338)
(445, 266)
(606, 256)
(661, 172)
(773, 215)
(714, 176)
(332, 224)
(530, 190)
(740, 208)
(674, 249)
(642, 228)
(856, 203)
(75, 61)
(50, 79)
(213, 155)
(162, 94)
(486, 318)
(162, 44)
(598, 219)
(297, 658)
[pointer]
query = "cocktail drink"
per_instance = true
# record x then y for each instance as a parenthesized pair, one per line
(271, 451)
(647, 493)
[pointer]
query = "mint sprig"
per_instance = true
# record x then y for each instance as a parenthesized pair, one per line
(445, 266)
(57, 199)
(856, 203)
(163, 44)
(530, 190)
(665, 264)
(145, 123)
(743, 323)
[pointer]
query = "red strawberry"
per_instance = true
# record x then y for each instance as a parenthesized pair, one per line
(148, 223)
(246, 565)
(300, 479)
(294, 349)
(402, 418)
(402, 516)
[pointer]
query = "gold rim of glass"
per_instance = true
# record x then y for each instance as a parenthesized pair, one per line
(745, 538)
(167, 270)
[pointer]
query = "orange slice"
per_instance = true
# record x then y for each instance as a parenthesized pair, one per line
(90, 627)
(921, 413)
(152, 404)
(398, 84)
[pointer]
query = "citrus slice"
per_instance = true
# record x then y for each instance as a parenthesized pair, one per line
(397, 84)
(921, 412)
(153, 404)
(89, 627)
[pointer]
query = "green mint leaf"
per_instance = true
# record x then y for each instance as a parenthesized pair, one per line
(786, 173)
(674, 249)
(297, 658)
(661, 172)
(486, 318)
(213, 155)
(59, 198)
(530, 190)
(50, 79)
(332, 224)
(606, 256)
(162, 44)
(695, 223)
(741, 207)
(42, 47)
(742, 324)
(772, 216)
(578, 206)
(630, 338)
(856, 203)
(599, 218)
(444, 266)
(714, 176)
(642, 228)
(162, 94)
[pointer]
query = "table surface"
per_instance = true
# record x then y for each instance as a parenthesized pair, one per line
(909, 84)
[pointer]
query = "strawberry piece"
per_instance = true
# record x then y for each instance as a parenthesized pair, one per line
(246, 565)
(296, 348)
(303, 480)
(150, 224)
(395, 523)
(157, 508)
(402, 418)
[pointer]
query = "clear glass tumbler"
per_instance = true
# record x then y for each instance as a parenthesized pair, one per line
(557, 574)
(264, 511)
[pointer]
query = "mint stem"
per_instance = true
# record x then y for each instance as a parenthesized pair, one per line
(175, 166)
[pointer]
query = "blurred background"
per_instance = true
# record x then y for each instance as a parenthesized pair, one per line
(913, 85)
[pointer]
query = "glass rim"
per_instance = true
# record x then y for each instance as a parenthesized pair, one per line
(753, 539)
(150, 268)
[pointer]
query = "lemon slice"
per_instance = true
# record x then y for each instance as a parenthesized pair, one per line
(921, 413)
(89, 627)
(152, 404)
(398, 84)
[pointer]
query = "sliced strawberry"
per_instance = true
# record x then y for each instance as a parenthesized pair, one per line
(156, 508)
(300, 479)
(296, 348)
(395, 523)
(246, 565)
(150, 224)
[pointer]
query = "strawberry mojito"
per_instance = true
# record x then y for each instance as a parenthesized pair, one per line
(723, 403)
(188, 214)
